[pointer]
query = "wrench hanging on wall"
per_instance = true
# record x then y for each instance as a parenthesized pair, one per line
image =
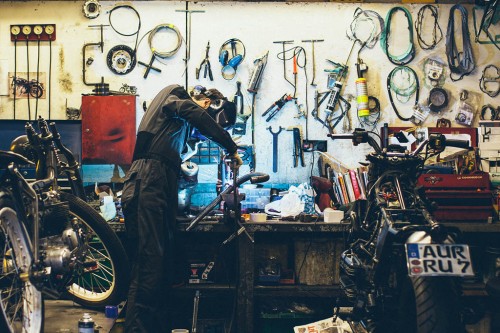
(275, 147)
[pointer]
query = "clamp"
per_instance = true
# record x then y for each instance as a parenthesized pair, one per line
(206, 63)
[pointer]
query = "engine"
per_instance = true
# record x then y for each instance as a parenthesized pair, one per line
(58, 251)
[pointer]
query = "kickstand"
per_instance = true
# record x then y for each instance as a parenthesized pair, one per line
(237, 208)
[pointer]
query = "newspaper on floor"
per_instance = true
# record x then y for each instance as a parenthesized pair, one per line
(328, 325)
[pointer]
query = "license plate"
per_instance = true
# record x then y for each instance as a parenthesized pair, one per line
(439, 260)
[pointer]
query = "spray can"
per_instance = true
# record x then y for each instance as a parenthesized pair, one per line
(86, 324)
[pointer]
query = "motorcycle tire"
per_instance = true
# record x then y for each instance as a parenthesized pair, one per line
(21, 303)
(107, 284)
(432, 304)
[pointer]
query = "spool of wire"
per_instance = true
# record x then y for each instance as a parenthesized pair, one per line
(155, 32)
(362, 97)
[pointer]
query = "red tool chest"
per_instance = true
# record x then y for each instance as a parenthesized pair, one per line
(459, 197)
(108, 129)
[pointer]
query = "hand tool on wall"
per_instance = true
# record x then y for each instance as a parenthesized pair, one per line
(149, 66)
(188, 29)
(188, 13)
(240, 126)
(101, 88)
(206, 63)
(258, 70)
(275, 147)
(253, 88)
(238, 99)
(283, 43)
(298, 152)
(276, 106)
(312, 41)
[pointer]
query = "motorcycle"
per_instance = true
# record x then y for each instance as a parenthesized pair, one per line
(401, 269)
(52, 243)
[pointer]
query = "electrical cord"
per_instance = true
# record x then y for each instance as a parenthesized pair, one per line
(28, 76)
(486, 78)
(461, 63)
(297, 52)
(37, 77)
(50, 72)
(14, 85)
(169, 53)
(370, 16)
(409, 54)
(400, 91)
(437, 28)
(136, 33)
(374, 117)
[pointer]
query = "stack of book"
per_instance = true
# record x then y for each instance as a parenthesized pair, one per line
(350, 185)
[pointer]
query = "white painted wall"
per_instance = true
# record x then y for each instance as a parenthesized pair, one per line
(257, 25)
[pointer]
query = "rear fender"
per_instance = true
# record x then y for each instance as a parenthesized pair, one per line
(424, 237)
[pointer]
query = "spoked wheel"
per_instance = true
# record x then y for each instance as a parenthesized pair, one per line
(21, 303)
(102, 278)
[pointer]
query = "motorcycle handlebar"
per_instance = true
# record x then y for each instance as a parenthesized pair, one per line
(340, 136)
(457, 143)
(357, 137)
(259, 179)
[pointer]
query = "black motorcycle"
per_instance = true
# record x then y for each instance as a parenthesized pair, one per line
(52, 243)
(401, 270)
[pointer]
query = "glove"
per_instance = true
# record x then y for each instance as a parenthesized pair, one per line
(236, 159)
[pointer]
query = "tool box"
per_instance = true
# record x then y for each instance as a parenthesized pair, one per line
(459, 197)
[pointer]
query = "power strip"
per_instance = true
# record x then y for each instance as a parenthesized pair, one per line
(33, 32)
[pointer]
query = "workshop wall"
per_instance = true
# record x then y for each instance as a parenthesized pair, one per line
(258, 25)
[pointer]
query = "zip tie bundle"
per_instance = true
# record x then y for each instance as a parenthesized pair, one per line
(460, 63)
(409, 54)
(155, 30)
(366, 16)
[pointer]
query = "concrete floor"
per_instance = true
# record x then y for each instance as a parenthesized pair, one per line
(63, 316)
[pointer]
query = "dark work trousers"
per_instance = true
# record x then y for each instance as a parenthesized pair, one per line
(149, 202)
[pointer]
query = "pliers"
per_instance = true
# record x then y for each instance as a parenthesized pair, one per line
(208, 68)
